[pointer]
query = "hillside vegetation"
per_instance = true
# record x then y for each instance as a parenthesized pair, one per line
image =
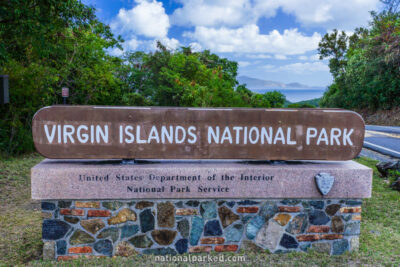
(48, 44)
(366, 65)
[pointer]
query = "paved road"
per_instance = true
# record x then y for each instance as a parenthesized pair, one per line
(383, 139)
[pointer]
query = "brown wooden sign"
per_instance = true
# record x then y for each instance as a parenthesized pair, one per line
(78, 132)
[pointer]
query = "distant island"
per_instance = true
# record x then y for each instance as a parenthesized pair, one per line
(258, 84)
(294, 92)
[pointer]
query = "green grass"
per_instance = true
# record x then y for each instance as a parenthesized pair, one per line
(20, 229)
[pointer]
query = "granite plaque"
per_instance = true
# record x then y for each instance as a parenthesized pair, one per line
(60, 179)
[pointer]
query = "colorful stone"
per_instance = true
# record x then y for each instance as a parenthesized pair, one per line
(129, 230)
(340, 246)
(186, 212)
(182, 245)
(332, 209)
(227, 216)
(268, 210)
(54, 229)
(298, 225)
(253, 226)
(199, 249)
(289, 209)
(247, 209)
(165, 215)
(208, 210)
(318, 229)
(282, 218)
(350, 210)
(318, 217)
(104, 247)
(123, 216)
(146, 220)
(61, 247)
(49, 250)
(93, 225)
(322, 247)
(212, 240)
(144, 204)
(196, 230)
(74, 212)
(124, 249)
(64, 204)
(112, 233)
(337, 224)
(234, 233)
(80, 204)
(183, 228)
(79, 250)
(352, 228)
(212, 228)
(288, 241)
(71, 219)
(80, 237)
(99, 213)
(248, 202)
(112, 205)
(269, 235)
(317, 204)
(48, 206)
(163, 237)
(193, 203)
(141, 241)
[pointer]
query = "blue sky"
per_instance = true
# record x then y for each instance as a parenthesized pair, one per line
(271, 39)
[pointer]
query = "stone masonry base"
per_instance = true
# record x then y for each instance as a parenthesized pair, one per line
(123, 228)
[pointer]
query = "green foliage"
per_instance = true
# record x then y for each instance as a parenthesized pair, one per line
(190, 79)
(366, 65)
(48, 44)
(298, 105)
(312, 103)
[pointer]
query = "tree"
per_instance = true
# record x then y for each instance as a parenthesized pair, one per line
(334, 46)
(365, 66)
(184, 78)
(48, 44)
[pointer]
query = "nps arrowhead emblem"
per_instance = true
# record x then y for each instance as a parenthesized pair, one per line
(324, 182)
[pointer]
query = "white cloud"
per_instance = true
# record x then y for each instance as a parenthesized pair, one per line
(328, 14)
(298, 68)
(170, 43)
(281, 57)
(196, 47)
(128, 45)
(147, 18)
(247, 39)
(244, 63)
(131, 44)
(213, 13)
(258, 56)
(312, 57)
(116, 52)
(270, 68)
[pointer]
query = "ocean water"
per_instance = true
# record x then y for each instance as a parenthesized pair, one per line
(296, 95)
